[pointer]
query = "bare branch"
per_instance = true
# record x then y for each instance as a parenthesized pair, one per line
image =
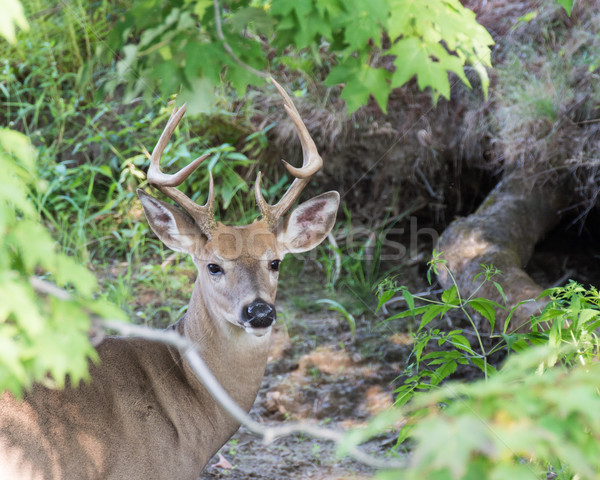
(47, 288)
(228, 48)
(189, 351)
(269, 434)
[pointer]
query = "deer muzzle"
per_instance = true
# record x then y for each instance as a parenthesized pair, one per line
(258, 315)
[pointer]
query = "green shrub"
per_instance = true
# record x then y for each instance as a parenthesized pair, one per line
(537, 415)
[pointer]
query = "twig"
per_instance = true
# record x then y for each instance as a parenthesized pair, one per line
(189, 351)
(47, 288)
(228, 48)
(269, 434)
(429, 189)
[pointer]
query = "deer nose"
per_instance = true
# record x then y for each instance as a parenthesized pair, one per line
(259, 314)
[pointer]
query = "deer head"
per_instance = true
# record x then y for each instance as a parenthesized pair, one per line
(238, 265)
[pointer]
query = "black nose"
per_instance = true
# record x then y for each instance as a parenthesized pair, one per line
(259, 314)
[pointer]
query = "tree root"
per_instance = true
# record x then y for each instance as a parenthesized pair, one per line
(503, 232)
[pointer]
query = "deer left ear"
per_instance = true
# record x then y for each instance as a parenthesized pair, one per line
(309, 223)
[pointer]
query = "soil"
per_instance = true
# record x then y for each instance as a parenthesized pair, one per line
(319, 373)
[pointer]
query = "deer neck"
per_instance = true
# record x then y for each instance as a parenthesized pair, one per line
(237, 359)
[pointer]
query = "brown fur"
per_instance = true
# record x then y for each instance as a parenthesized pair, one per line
(145, 415)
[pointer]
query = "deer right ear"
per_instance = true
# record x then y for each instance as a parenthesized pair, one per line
(175, 228)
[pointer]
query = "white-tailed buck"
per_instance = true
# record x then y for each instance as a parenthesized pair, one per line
(145, 415)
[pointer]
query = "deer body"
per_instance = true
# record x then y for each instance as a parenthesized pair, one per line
(145, 415)
(89, 432)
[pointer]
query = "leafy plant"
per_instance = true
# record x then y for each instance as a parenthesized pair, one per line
(40, 334)
(193, 46)
(567, 5)
(573, 317)
(536, 417)
(523, 423)
(356, 263)
(567, 324)
(430, 366)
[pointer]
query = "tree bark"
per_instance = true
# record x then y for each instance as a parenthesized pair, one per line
(503, 232)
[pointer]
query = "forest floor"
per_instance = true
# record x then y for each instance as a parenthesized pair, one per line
(319, 373)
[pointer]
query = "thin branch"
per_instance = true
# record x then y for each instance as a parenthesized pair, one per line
(228, 48)
(189, 351)
(47, 288)
(269, 434)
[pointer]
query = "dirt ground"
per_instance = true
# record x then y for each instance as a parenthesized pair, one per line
(317, 373)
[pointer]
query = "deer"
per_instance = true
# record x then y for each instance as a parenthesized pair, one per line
(144, 414)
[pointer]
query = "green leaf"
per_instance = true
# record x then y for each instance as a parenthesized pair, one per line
(486, 308)
(500, 291)
(402, 18)
(338, 307)
(413, 57)
(431, 313)
(199, 96)
(252, 16)
(567, 5)
(461, 342)
(484, 366)
(361, 24)
(201, 6)
(410, 300)
(12, 14)
(408, 313)
(361, 81)
(437, 447)
(450, 295)
(444, 371)
(203, 61)
(383, 298)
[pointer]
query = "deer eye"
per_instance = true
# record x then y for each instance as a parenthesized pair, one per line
(214, 269)
(274, 265)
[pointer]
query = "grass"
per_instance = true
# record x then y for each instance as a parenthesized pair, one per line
(93, 152)
(151, 292)
(93, 149)
(548, 89)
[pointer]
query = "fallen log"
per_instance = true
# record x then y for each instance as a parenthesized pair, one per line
(503, 232)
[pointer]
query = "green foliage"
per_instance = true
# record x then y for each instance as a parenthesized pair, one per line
(12, 15)
(338, 307)
(355, 265)
(568, 322)
(573, 317)
(415, 30)
(436, 353)
(173, 47)
(92, 156)
(535, 416)
(39, 335)
(517, 424)
(567, 5)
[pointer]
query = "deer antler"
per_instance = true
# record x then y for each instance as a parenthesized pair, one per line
(203, 215)
(311, 164)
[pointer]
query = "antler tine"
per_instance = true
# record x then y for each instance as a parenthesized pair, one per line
(203, 215)
(311, 164)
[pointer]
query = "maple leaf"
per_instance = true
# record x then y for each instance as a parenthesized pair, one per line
(361, 80)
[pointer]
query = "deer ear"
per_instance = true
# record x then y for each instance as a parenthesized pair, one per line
(309, 223)
(175, 228)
